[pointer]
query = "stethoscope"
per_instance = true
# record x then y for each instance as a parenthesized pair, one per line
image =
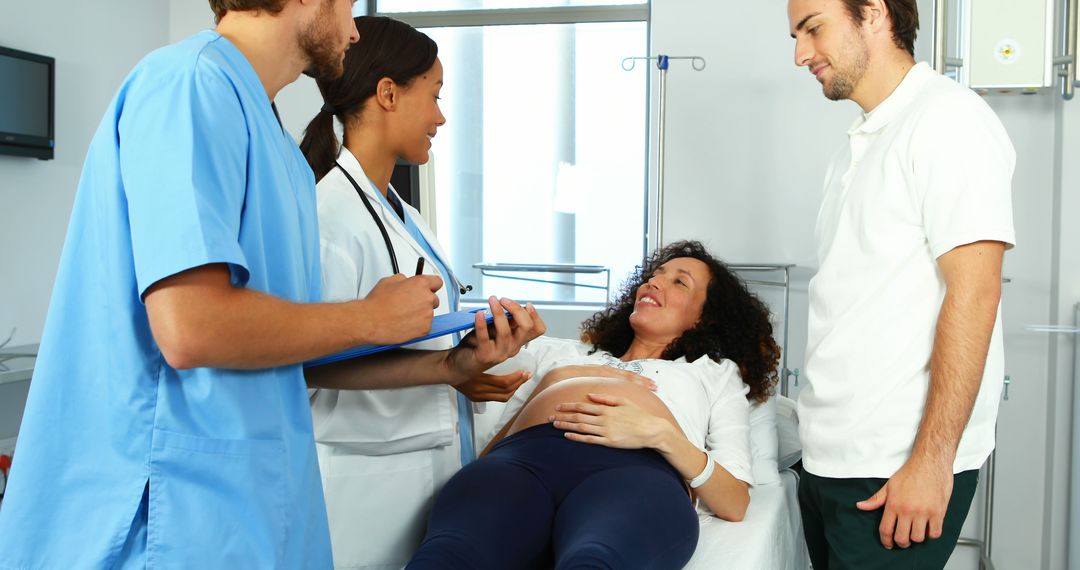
(386, 236)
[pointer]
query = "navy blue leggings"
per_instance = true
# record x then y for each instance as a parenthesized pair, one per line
(539, 499)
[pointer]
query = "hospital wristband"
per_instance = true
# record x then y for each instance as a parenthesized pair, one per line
(700, 480)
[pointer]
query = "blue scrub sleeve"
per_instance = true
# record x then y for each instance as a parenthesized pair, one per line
(183, 161)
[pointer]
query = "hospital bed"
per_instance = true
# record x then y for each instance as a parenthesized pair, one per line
(770, 536)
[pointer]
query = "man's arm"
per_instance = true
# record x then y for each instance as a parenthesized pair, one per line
(917, 496)
(199, 319)
(480, 350)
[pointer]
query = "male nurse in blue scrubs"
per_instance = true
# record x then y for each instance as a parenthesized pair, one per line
(167, 423)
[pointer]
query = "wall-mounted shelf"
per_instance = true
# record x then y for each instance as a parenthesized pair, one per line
(501, 269)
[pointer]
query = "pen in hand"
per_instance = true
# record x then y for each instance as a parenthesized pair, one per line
(420, 266)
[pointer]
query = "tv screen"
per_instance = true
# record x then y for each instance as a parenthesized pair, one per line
(26, 104)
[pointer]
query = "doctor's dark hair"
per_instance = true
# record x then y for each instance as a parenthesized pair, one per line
(734, 323)
(904, 15)
(221, 6)
(387, 48)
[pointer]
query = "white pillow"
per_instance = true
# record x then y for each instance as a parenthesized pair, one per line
(763, 442)
(787, 428)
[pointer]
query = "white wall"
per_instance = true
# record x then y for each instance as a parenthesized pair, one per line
(747, 140)
(95, 45)
(747, 144)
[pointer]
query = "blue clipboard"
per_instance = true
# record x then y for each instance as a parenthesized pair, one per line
(441, 325)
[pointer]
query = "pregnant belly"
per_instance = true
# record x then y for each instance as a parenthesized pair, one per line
(542, 406)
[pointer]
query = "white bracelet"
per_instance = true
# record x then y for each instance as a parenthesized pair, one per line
(700, 480)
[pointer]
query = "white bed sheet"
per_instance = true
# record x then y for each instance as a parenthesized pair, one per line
(769, 538)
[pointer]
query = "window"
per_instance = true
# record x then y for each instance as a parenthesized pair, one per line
(543, 156)
(386, 6)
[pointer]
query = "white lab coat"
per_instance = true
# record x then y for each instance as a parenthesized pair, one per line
(383, 454)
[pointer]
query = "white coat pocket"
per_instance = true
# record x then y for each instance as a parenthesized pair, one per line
(377, 506)
(384, 422)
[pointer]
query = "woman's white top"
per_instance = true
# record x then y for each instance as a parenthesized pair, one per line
(707, 398)
(383, 454)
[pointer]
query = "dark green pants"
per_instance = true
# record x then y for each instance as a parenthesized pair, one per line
(841, 537)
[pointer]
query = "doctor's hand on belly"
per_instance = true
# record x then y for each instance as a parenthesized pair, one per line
(488, 345)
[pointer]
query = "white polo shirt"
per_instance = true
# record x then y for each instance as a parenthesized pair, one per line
(928, 170)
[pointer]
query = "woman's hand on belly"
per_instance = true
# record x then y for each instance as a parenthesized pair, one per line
(541, 402)
(613, 421)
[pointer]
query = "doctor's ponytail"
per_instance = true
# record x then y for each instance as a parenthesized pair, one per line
(387, 48)
(320, 143)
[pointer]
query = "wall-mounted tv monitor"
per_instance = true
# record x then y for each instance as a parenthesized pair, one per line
(26, 104)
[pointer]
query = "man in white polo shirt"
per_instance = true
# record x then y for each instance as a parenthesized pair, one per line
(904, 356)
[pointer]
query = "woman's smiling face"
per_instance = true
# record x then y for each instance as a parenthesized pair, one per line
(671, 301)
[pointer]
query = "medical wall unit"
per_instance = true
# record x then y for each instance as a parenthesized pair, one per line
(1007, 46)
(27, 94)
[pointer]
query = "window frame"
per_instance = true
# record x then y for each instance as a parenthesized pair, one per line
(518, 16)
(565, 15)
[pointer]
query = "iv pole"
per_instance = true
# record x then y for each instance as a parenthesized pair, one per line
(698, 64)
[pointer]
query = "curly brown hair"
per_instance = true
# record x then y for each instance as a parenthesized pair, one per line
(734, 323)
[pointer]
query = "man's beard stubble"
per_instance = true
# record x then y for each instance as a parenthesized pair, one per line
(319, 44)
(845, 78)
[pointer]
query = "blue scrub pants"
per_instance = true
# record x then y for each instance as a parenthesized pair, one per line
(539, 499)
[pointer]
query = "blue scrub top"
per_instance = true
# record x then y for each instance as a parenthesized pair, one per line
(189, 166)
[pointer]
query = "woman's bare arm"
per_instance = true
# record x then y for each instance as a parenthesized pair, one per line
(726, 496)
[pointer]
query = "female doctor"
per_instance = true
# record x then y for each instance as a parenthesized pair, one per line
(384, 454)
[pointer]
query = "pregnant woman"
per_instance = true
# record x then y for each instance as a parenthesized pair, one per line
(624, 433)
